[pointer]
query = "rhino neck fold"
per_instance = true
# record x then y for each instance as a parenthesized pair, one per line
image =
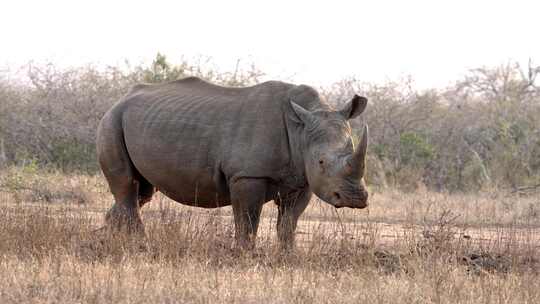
(295, 174)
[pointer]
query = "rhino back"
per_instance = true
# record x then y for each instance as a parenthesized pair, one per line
(189, 138)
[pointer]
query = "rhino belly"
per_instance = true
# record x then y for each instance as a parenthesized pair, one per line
(184, 184)
(199, 193)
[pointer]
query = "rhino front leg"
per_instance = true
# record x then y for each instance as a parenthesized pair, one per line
(247, 198)
(290, 209)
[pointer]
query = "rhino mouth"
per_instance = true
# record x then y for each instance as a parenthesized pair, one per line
(358, 201)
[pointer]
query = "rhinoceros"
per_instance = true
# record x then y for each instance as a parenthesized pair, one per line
(211, 146)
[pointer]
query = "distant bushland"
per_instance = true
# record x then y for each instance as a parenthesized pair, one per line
(483, 131)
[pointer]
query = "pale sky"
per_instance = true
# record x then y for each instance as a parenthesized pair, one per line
(313, 42)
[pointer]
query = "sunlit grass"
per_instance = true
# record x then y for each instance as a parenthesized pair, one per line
(420, 247)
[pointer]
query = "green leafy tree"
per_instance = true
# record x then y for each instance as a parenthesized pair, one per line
(161, 70)
(414, 150)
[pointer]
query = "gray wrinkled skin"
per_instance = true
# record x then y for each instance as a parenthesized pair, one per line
(210, 146)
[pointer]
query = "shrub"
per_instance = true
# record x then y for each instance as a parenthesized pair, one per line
(414, 150)
(481, 131)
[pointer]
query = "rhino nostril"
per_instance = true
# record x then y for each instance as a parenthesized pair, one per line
(337, 195)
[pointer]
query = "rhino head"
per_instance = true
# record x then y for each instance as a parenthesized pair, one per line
(334, 164)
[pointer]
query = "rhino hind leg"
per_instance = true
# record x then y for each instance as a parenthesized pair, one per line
(146, 191)
(124, 215)
(125, 183)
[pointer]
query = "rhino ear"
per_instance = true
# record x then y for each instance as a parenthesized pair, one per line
(301, 115)
(354, 108)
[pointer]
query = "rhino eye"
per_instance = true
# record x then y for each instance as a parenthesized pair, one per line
(321, 165)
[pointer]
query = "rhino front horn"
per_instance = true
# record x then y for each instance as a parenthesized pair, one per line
(362, 149)
(359, 156)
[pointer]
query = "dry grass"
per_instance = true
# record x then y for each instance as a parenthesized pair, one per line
(409, 248)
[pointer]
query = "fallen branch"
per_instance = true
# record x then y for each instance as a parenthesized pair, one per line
(523, 190)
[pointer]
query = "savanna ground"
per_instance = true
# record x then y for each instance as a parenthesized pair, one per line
(420, 247)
